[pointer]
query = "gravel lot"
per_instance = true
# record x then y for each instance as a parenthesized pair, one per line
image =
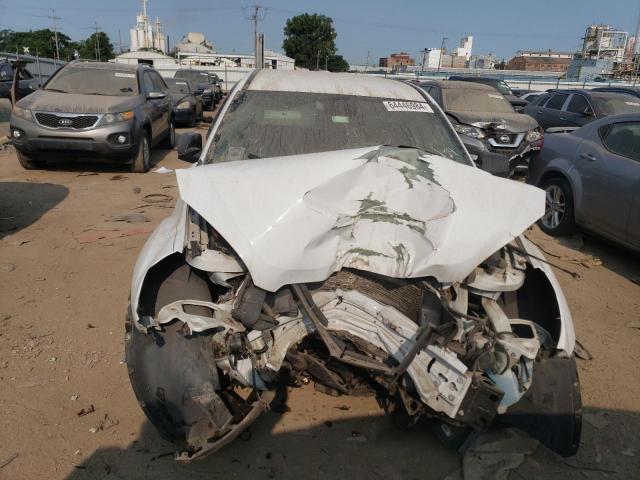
(69, 237)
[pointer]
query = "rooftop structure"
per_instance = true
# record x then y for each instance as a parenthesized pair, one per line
(145, 36)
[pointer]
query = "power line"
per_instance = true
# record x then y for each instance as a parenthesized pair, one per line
(55, 31)
(255, 17)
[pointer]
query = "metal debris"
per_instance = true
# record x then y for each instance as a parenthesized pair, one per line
(86, 411)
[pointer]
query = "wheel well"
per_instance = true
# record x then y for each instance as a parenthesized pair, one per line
(553, 174)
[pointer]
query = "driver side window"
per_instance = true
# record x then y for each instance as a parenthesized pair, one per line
(578, 104)
(148, 83)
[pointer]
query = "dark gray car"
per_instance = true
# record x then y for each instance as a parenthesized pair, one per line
(90, 110)
(486, 121)
(575, 108)
(187, 105)
(592, 179)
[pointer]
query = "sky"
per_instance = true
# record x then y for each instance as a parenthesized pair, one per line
(366, 29)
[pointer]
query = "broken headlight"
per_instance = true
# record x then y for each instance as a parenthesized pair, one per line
(533, 136)
(468, 130)
(183, 106)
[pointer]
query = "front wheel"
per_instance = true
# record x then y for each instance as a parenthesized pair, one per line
(28, 163)
(142, 161)
(558, 216)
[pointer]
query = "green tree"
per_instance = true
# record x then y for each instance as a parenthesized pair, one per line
(6, 40)
(337, 63)
(88, 48)
(42, 42)
(308, 39)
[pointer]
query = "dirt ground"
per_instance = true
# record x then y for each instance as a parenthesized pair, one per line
(69, 237)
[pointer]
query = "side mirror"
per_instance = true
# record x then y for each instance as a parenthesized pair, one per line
(494, 163)
(156, 95)
(189, 146)
(587, 112)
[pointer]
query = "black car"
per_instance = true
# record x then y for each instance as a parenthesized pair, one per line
(575, 108)
(91, 110)
(498, 84)
(187, 106)
(486, 121)
(634, 91)
(26, 82)
(204, 83)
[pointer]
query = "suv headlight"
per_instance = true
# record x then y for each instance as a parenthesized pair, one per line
(22, 113)
(183, 105)
(533, 136)
(110, 118)
(474, 132)
(208, 90)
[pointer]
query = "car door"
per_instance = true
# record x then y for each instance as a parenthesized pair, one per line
(578, 111)
(154, 106)
(551, 113)
(164, 104)
(610, 177)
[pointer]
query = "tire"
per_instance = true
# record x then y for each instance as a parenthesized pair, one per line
(558, 218)
(168, 366)
(142, 161)
(27, 162)
(170, 140)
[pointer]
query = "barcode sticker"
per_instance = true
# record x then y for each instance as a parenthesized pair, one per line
(399, 106)
(125, 75)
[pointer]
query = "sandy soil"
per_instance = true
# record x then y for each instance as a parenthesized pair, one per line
(66, 259)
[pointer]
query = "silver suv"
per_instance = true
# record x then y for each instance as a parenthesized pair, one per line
(90, 110)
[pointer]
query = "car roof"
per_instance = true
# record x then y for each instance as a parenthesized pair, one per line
(614, 88)
(332, 83)
(456, 84)
(105, 65)
(463, 78)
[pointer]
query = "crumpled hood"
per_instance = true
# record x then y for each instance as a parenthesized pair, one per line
(46, 101)
(392, 211)
(513, 122)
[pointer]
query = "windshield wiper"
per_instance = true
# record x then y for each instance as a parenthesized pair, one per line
(432, 151)
(55, 90)
(253, 156)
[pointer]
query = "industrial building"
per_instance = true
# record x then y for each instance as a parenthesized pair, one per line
(540, 61)
(603, 50)
(145, 36)
(397, 61)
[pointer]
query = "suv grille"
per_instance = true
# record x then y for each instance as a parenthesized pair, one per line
(57, 121)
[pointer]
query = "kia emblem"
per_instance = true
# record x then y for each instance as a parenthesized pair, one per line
(65, 122)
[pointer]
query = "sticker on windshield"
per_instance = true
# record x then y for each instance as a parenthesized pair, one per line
(398, 106)
(493, 95)
(125, 75)
(635, 104)
(181, 83)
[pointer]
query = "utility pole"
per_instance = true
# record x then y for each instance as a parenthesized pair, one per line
(444, 39)
(255, 17)
(97, 42)
(55, 31)
(367, 65)
(424, 56)
(119, 42)
(318, 61)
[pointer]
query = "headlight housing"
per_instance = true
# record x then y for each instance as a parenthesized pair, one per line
(111, 118)
(468, 130)
(207, 90)
(183, 106)
(533, 136)
(22, 113)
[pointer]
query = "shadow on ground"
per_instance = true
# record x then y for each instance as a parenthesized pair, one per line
(371, 447)
(23, 203)
(616, 258)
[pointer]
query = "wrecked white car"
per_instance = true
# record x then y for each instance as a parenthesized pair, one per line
(335, 229)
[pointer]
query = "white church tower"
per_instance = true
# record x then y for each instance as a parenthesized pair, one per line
(144, 35)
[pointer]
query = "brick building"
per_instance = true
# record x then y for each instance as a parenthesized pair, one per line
(539, 64)
(397, 61)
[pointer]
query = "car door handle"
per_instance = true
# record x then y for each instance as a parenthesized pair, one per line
(540, 111)
(563, 118)
(588, 156)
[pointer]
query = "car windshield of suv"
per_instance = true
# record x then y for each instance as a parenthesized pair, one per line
(261, 124)
(177, 86)
(503, 88)
(616, 103)
(193, 75)
(95, 81)
(474, 100)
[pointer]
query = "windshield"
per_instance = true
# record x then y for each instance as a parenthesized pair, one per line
(176, 86)
(473, 100)
(617, 103)
(262, 124)
(94, 81)
(193, 75)
(503, 88)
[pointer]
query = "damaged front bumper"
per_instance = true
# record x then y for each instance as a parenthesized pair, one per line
(431, 322)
